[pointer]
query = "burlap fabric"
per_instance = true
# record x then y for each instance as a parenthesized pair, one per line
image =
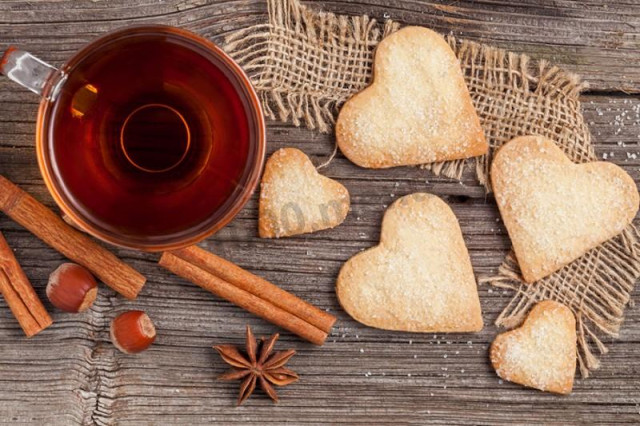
(305, 64)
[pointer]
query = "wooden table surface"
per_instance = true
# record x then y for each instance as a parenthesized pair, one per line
(71, 373)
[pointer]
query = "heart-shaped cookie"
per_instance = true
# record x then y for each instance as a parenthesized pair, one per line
(419, 278)
(296, 199)
(555, 210)
(541, 353)
(416, 111)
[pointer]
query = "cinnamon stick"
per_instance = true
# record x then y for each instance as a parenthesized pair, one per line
(257, 286)
(19, 294)
(242, 298)
(47, 226)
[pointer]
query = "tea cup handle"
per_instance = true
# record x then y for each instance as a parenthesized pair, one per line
(31, 72)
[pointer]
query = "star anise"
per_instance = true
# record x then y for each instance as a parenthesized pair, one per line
(259, 364)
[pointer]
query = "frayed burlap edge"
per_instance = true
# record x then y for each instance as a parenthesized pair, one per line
(268, 53)
(596, 287)
(516, 96)
(305, 64)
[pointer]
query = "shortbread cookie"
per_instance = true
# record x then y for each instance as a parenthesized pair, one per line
(541, 353)
(555, 210)
(416, 111)
(296, 199)
(419, 278)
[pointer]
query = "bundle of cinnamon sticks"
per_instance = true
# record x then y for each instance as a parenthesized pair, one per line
(45, 224)
(205, 269)
(50, 228)
(19, 294)
(250, 292)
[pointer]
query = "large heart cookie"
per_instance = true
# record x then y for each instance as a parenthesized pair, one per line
(419, 278)
(296, 199)
(541, 353)
(416, 111)
(555, 210)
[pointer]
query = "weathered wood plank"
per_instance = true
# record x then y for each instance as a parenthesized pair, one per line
(72, 374)
(597, 39)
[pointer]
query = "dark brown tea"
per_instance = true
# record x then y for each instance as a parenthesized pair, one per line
(149, 137)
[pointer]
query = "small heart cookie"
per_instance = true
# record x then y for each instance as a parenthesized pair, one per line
(416, 111)
(555, 210)
(296, 199)
(541, 353)
(419, 278)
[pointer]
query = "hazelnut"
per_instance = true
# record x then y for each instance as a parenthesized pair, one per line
(72, 288)
(132, 332)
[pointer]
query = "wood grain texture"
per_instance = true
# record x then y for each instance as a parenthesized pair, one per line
(71, 374)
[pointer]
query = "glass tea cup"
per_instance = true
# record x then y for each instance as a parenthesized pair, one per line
(150, 137)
